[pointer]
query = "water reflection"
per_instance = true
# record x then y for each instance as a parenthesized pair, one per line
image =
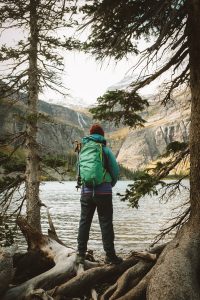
(135, 229)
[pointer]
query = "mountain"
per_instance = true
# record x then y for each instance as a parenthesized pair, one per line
(58, 128)
(148, 92)
(134, 148)
(122, 84)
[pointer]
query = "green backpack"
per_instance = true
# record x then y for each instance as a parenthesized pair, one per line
(91, 164)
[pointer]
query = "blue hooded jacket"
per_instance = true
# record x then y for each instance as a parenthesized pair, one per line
(112, 164)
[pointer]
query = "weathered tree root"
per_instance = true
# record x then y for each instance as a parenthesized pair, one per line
(127, 280)
(77, 286)
(131, 276)
(68, 280)
(139, 291)
(81, 284)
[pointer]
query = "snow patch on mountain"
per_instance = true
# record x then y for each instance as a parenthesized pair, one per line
(69, 101)
(149, 92)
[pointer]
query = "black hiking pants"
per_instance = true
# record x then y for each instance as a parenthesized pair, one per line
(104, 206)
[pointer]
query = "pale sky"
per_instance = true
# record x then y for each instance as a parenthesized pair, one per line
(88, 79)
(83, 76)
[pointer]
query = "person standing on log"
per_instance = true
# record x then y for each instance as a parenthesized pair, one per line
(98, 171)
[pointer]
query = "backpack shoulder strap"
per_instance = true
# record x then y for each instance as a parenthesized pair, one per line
(105, 159)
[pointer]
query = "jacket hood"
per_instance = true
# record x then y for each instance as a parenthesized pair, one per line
(94, 137)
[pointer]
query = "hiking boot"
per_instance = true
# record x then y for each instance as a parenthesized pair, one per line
(113, 259)
(80, 258)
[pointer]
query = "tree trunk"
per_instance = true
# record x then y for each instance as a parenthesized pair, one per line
(32, 156)
(175, 276)
(194, 50)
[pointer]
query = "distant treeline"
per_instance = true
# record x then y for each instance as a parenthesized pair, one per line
(126, 173)
(16, 162)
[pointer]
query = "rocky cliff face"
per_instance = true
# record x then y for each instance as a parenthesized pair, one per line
(68, 125)
(55, 135)
(164, 125)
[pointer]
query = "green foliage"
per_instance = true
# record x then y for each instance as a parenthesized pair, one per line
(32, 118)
(7, 233)
(147, 181)
(9, 182)
(144, 184)
(120, 107)
(118, 25)
(31, 63)
(56, 161)
(53, 161)
(3, 156)
(15, 163)
(71, 161)
(176, 147)
(128, 174)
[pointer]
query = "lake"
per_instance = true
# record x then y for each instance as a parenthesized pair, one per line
(135, 229)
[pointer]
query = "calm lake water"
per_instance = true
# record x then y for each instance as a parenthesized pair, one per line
(135, 229)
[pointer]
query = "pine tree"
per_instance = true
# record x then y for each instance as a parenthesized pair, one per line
(30, 65)
(173, 30)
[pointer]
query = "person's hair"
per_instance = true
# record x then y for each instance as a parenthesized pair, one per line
(96, 128)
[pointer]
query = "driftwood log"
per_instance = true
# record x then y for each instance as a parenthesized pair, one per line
(58, 276)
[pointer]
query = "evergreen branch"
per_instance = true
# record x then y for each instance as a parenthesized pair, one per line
(146, 183)
(171, 188)
(18, 210)
(8, 92)
(9, 88)
(17, 25)
(9, 184)
(52, 85)
(10, 140)
(17, 65)
(46, 66)
(176, 82)
(120, 107)
(163, 172)
(68, 43)
(174, 60)
(180, 220)
(12, 53)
